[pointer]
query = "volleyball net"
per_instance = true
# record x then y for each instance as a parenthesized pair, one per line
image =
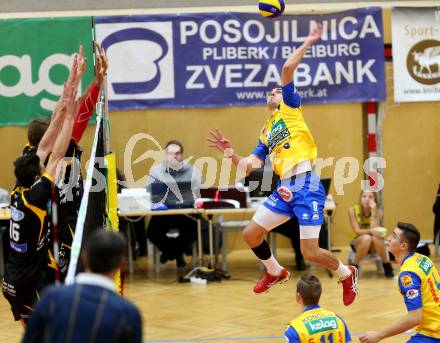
(98, 209)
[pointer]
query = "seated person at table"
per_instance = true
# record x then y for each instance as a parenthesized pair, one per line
(173, 234)
(366, 219)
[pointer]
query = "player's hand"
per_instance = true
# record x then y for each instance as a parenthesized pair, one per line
(101, 64)
(70, 101)
(218, 141)
(77, 69)
(370, 337)
(73, 68)
(315, 35)
(60, 108)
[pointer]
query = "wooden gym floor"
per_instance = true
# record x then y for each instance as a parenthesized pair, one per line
(228, 311)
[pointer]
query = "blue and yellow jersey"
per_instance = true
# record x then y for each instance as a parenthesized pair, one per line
(317, 325)
(285, 135)
(419, 284)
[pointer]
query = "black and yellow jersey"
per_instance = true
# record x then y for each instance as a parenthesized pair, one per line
(71, 190)
(28, 233)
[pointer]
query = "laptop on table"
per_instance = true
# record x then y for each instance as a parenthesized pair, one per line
(173, 196)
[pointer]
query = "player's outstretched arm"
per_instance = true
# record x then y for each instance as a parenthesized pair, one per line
(63, 139)
(47, 142)
(248, 164)
(412, 319)
(90, 97)
(77, 73)
(101, 65)
(295, 58)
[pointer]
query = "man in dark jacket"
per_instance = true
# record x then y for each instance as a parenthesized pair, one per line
(90, 310)
(173, 234)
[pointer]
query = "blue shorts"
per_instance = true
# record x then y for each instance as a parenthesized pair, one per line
(419, 338)
(302, 196)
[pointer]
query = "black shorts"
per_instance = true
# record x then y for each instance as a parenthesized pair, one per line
(21, 298)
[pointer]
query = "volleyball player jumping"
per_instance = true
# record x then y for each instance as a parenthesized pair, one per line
(288, 141)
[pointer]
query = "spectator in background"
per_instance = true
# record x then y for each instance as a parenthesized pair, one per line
(90, 310)
(173, 234)
(366, 219)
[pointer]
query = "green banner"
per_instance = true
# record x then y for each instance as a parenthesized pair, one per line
(35, 58)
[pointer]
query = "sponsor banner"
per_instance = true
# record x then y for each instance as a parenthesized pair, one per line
(416, 53)
(231, 59)
(35, 58)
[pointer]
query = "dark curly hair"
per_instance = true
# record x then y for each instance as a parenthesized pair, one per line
(27, 167)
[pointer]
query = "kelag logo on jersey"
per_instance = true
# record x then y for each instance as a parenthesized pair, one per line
(141, 54)
(321, 325)
(277, 127)
(278, 133)
(425, 265)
